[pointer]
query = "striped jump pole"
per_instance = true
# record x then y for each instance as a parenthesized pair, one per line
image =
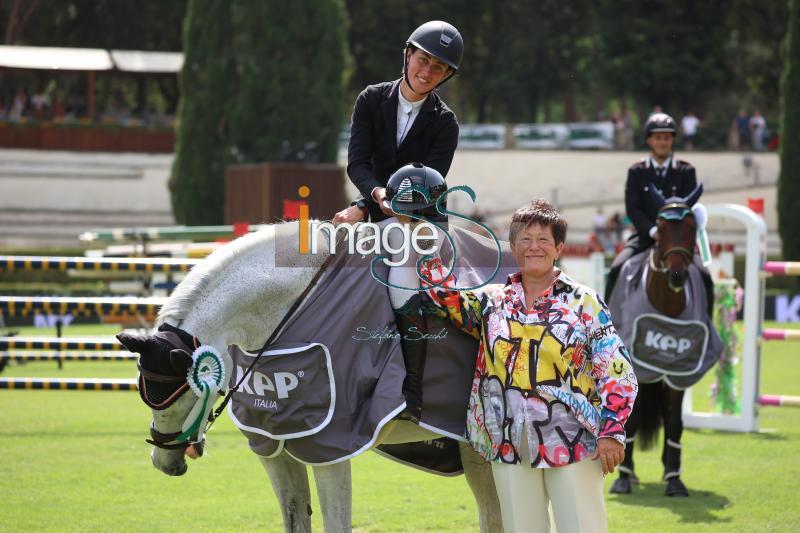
(107, 384)
(166, 265)
(782, 268)
(779, 401)
(781, 334)
(186, 233)
(56, 343)
(67, 356)
(24, 306)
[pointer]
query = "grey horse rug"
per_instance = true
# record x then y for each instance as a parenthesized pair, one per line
(679, 351)
(332, 378)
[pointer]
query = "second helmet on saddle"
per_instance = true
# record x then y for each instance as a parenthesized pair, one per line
(404, 191)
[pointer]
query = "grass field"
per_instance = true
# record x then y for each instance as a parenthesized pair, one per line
(77, 461)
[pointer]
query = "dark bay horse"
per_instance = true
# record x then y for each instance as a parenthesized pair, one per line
(658, 403)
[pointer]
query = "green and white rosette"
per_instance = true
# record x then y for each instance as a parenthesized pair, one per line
(206, 378)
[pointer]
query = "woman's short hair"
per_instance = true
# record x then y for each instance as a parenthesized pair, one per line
(541, 212)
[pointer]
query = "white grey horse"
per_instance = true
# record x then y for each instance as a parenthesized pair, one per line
(238, 296)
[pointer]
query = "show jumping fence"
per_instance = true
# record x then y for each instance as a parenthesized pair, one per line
(67, 356)
(78, 349)
(11, 263)
(58, 343)
(24, 306)
(108, 384)
(756, 270)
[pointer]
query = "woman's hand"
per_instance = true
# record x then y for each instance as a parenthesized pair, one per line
(611, 452)
(351, 215)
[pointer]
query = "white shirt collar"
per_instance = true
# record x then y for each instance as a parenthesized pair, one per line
(407, 106)
(652, 162)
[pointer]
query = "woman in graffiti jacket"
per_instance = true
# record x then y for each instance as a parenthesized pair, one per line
(553, 383)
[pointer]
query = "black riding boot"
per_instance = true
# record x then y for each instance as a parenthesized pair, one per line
(412, 326)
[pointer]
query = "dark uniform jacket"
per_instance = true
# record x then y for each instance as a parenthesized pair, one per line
(680, 180)
(373, 154)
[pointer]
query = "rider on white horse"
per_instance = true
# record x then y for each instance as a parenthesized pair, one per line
(396, 123)
(672, 177)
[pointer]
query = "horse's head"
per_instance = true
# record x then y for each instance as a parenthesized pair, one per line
(179, 380)
(677, 232)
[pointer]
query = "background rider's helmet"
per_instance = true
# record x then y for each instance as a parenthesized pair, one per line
(441, 40)
(412, 201)
(659, 122)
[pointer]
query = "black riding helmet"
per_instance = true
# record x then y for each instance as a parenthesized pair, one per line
(441, 40)
(659, 122)
(412, 201)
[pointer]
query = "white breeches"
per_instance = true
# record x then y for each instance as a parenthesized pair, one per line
(575, 493)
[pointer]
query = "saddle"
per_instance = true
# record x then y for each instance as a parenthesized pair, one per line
(333, 376)
(679, 351)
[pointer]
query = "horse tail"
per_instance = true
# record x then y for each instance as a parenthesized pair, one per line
(648, 405)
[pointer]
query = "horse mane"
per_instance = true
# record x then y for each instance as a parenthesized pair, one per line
(281, 238)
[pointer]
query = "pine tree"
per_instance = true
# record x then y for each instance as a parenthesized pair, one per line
(789, 181)
(206, 80)
(290, 60)
(262, 81)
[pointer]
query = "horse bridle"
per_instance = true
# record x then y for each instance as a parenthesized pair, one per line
(158, 439)
(164, 440)
(688, 254)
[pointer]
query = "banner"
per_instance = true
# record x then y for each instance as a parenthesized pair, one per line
(541, 136)
(482, 136)
(591, 135)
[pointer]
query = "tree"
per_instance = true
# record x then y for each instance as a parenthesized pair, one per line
(206, 82)
(261, 81)
(108, 24)
(664, 52)
(789, 180)
(288, 99)
(754, 52)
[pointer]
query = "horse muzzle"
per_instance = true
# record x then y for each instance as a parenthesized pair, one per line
(677, 279)
(170, 462)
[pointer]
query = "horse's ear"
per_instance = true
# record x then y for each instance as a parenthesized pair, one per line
(694, 195)
(181, 360)
(656, 195)
(134, 343)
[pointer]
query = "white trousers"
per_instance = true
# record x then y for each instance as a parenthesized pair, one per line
(575, 493)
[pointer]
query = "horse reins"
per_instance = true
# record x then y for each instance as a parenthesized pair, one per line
(213, 415)
(674, 250)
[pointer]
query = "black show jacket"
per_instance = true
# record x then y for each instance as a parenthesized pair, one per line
(373, 154)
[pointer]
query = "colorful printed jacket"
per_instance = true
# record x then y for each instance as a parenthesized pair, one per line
(557, 371)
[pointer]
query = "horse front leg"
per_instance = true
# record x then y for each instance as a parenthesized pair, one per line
(673, 429)
(481, 482)
(290, 482)
(335, 492)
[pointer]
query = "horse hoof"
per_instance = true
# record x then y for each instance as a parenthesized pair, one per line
(621, 485)
(675, 487)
